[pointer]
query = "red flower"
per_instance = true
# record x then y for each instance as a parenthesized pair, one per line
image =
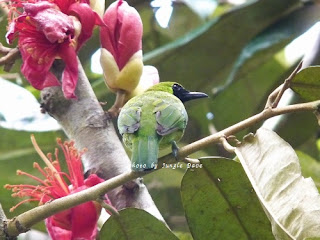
(79, 222)
(48, 30)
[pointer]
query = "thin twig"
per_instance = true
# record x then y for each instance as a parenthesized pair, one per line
(109, 208)
(262, 116)
(9, 58)
(227, 145)
(286, 85)
(191, 160)
(273, 96)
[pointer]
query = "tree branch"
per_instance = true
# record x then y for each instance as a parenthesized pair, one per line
(249, 122)
(29, 218)
(9, 58)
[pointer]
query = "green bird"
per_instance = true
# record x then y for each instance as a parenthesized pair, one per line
(154, 120)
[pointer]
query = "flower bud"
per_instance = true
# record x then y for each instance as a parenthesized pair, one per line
(98, 6)
(121, 40)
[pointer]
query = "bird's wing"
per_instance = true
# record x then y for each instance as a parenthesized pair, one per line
(129, 119)
(170, 118)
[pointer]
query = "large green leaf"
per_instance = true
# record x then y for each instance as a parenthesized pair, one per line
(244, 97)
(220, 203)
(205, 56)
(135, 224)
(270, 41)
(291, 201)
(307, 83)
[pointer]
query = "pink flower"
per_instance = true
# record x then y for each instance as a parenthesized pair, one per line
(47, 30)
(79, 222)
(121, 40)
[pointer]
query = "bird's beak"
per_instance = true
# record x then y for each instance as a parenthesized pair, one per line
(185, 95)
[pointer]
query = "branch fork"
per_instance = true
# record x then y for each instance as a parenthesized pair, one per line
(9, 58)
(275, 97)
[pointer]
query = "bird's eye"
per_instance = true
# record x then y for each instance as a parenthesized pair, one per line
(176, 86)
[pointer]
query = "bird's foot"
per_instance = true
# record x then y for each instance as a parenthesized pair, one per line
(175, 150)
(114, 111)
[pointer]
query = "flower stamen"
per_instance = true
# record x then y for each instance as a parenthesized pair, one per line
(49, 164)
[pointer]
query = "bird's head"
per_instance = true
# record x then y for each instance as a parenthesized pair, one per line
(177, 90)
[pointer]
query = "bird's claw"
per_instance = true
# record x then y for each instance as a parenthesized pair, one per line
(175, 149)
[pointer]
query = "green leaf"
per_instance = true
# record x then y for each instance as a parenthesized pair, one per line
(309, 167)
(205, 56)
(271, 40)
(220, 203)
(307, 83)
(243, 98)
(291, 201)
(135, 224)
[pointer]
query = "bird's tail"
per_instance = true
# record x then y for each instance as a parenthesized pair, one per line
(145, 153)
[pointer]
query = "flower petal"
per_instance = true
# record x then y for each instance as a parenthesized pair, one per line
(70, 73)
(93, 180)
(84, 219)
(54, 24)
(149, 77)
(129, 77)
(11, 33)
(56, 232)
(88, 19)
(38, 55)
(110, 69)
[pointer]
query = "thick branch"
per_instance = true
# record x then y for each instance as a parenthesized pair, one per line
(84, 121)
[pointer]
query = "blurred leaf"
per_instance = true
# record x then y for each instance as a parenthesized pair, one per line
(270, 41)
(2, 118)
(244, 97)
(204, 57)
(289, 128)
(21, 110)
(182, 20)
(135, 224)
(183, 236)
(307, 83)
(291, 201)
(3, 26)
(220, 203)
(309, 167)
